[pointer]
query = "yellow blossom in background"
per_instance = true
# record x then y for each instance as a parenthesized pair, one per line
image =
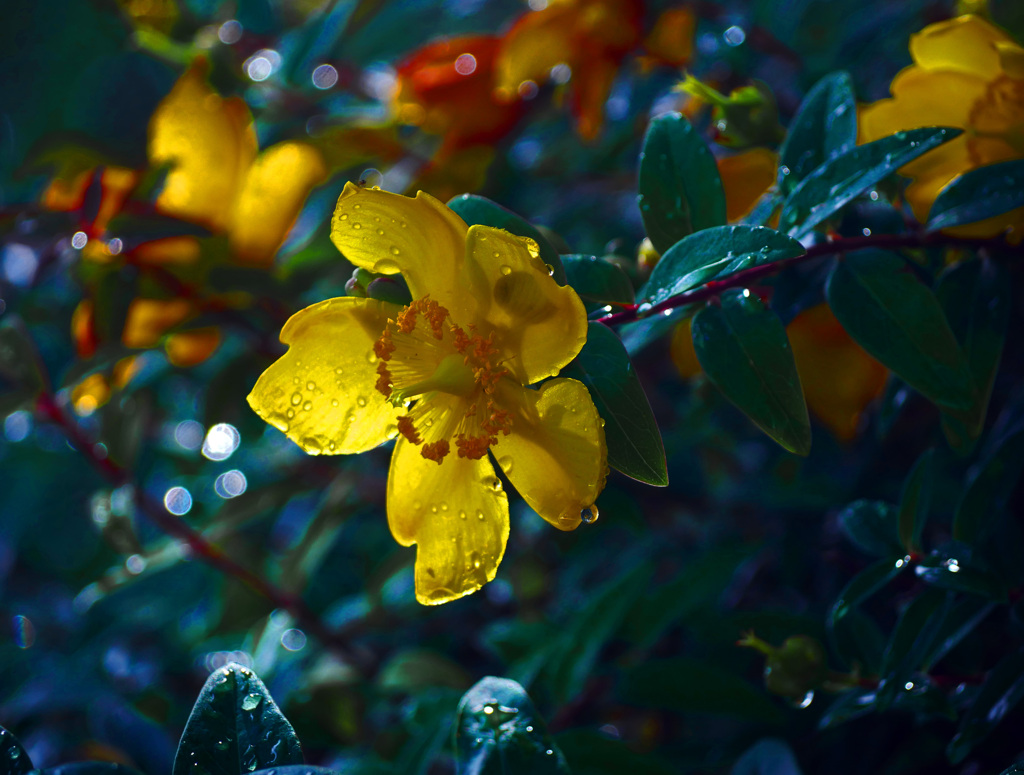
(746, 176)
(670, 41)
(590, 37)
(447, 376)
(968, 74)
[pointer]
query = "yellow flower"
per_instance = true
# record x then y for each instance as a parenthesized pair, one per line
(446, 375)
(967, 74)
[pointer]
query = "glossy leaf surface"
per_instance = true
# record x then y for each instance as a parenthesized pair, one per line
(979, 194)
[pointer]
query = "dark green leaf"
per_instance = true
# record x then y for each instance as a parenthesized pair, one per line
(135, 229)
(958, 571)
(915, 635)
(597, 281)
(915, 503)
(297, 769)
(975, 296)
(680, 191)
(1000, 693)
(235, 728)
(899, 321)
(499, 732)
(825, 126)
(846, 707)
(989, 484)
(592, 753)
(767, 757)
(871, 525)
(979, 194)
(13, 758)
(743, 349)
(1015, 769)
(845, 177)
(713, 254)
(696, 686)
(19, 364)
(88, 768)
(632, 434)
(638, 335)
(958, 624)
(478, 210)
(865, 584)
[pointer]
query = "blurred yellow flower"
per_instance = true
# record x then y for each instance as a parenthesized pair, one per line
(589, 37)
(968, 74)
(746, 176)
(446, 375)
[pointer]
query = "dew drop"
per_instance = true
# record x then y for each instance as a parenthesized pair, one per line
(357, 226)
(505, 270)
(589, 514)
(395, 251)
(361, 401)
(480, 515)
(307, 406)
(296, 399)
(310, 386)
(251, 701)
(343, 217)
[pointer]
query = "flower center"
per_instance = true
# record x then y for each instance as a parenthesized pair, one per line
(445, 377)
(997, 120)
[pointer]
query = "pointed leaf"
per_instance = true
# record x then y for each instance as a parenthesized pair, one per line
(916, 633)
(743, 349)
(716, 253)
(235, 728)
(989, 484)
(825, 126)
(899, 322)
(1000, 693)
(915, 503)
(845, 177)
(597, 281)
(634, 440)
(89, 768)
(499, 732)
(871, 525)
(680, 190)
(979, 194)
(14, 760)
(479, 210)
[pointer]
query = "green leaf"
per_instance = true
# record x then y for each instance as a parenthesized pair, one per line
(1000, 693)
(846, 707)
(640, 334)
(899, 322)
(847, 627)
(479, 210)
(596, 281)
(19, 364)
(871, 525)
(916, 633)
(135, 229)
(715, 253)
(680, 190)
(989, 484)
(14, 760)
(499, 732)
(915, 503)
(89, 768)
(634, 440)
(975, 296)
(235, 728)
(689, 685)
(979, 194)
(743, 349)
(845, 177)
(592, 753)
(768, 756)
(825, 126)
(958, 624)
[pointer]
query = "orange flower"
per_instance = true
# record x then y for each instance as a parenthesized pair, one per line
(670, 41)
(447, 88)
(591, 37)
(746, 177)
(967, 74)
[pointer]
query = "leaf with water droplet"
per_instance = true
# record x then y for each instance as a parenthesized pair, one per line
(14, 760)
(499, 732)
(979, 194)
(235, 708)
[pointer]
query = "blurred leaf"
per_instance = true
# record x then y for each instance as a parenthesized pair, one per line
(597, 282)
(954, 567)
(899, 322)
(841, 179)
(825, 126)
(637, 336)
(855, 637)
(768, 756)
(680, 191)
(915, 502)
(989, 484)
(1002, 690)
(919, 627)
(135, 229)
(743, 349)
(13, 758)
(979, 194)
(235, 728)
(479, 210)
(846, 707)
(89, 768)
(632, 433)
(592, 753)
(689, 685)
(713, 254)
(415, 670)
(19, 364)
(975, 296)
(957, 625)
(499, 732)
(872, 526)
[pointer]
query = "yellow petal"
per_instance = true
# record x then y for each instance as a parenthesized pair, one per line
(965, 44)
(922, 98)
(1009, 224)
(210, 144)
(555, 455)
(389, 233)
(321, 392)
(539, 325)
(538, 41)
(682, 352)
(272, 194)
(149, 319)
(90, 394)
(455, 512)
(745, 177)
(1011, 59)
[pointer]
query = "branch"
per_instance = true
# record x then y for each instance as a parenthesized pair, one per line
(749, 277)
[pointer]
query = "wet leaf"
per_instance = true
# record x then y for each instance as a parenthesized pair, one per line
(743, 349)
(915, 635)
(235, 728)
(1002, 690)
(13, 758)
(597, 282)
(989, 484)
(499, 732)
(680, 191)
(915, 503)
(979, 194)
